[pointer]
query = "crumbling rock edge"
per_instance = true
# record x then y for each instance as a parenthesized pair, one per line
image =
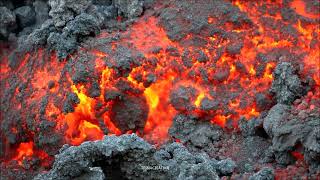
(64, 24)
(136, 159)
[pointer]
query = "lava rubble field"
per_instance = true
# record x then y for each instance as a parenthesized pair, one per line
(151, 89)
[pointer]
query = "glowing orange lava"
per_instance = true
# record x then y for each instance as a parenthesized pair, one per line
(300, 7)
(229, 78)
(26, 149)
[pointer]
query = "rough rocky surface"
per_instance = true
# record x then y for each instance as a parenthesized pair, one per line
(194, 133)
(252, 127)
(248, 152)
(7, 22)
(226, 167)
(130, 113)
(129, 8)
(126, 151)
(67, 24)
(287, 85)
(294, 133)
(95, 173)
(182, 97)
(202, 49)
(25, 16)
(129, 156)
(265, 174)
(276, 117)
(63, 11)
(67, 42)
(41, 9)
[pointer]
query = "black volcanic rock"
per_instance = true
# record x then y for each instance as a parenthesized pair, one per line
(111, 95)
(221, 75)
(251, 127)
(263, 102)
(226, 167)
(184, 165)
(82, 25)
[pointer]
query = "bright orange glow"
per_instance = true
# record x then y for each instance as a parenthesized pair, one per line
(235, 103)
(220, 120)
(227, 63)
(199, 99)
(268, 72)
(300, 7)
(161, 112)
(52, 110)
(90, 131)
(99, 53)
(252, 71)
(152, 98)
(211, 20)
(252, 113)
(24, 149)
(79, 127)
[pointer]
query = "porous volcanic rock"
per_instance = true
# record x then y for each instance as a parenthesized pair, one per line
(286, 85)
(129, 156)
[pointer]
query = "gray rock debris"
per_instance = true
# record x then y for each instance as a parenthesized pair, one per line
(130, 157)
(41, 9)
(193, 132)
(183, 165)
(130, 113)
(209, 104)
(288, 131)
(25, 16)
(182, 98)
(286, 85)
(70, 22)
(129, 8)
(7, 22)
(38, 37)
(63, 11)
(71, 101)
(296, 132)
(263, 174)
(251, 127)
(95, 173)
(226, 167)
(67, 42)
(276, 117)
(74, 161)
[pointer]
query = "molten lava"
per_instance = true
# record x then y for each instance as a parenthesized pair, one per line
(221, 71)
